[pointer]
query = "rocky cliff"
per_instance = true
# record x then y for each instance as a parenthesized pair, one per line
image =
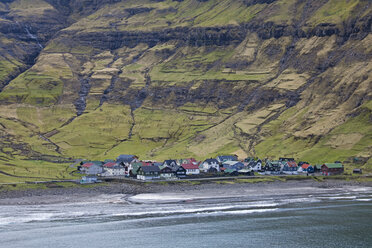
(167, 79)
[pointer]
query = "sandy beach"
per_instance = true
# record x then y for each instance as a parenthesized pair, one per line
(83, 194)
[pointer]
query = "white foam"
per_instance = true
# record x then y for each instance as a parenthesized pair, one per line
(251, 211)
(200, 209)
(364, 200)
(237, 212)
(338, 197)
(27, 218)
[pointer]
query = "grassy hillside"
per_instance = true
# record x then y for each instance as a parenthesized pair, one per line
(172, 79)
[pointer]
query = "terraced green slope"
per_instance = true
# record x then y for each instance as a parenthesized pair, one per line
(170, 79)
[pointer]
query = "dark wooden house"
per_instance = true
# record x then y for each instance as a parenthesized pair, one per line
(329, 169)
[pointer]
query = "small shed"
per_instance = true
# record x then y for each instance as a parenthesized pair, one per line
(88, 179)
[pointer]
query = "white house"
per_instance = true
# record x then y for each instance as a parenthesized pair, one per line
(209, 165)
(112, 169)
(191, 169)
(255, 165)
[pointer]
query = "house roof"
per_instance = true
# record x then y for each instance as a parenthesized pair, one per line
(333, 165)
(305, 166)
(150, 168)
(125, 158)
(292, 164)
(211, 161)
(135, 168)
(188, 161)
(275, 162)
(169, 161)
(146, 163)
(108, 160)
(226, 157)
(190, 166)
(165, 169)
(87, 165)
(97, 162)
(231, 163)
(109, 164)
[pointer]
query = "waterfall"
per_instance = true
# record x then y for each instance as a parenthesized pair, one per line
(29, 34)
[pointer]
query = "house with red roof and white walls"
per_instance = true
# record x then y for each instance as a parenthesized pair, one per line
(191, 168)
(112, 169)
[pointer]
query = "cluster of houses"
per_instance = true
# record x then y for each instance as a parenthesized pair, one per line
(131, 166)
(290, 167)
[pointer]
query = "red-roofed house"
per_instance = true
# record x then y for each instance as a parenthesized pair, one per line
(109, 165)
(290, 167)
(306, 168)
(111, 169)
(191, 169)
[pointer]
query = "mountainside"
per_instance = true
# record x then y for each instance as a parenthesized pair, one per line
(171, 79)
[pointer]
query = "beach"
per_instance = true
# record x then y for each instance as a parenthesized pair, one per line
(54, 195)
(272, 214)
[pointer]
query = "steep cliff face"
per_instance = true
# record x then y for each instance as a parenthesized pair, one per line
(186, 78)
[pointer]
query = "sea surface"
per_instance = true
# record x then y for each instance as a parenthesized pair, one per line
(307, 218)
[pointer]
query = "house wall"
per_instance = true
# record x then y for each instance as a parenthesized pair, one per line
(94, 170)
(192, 171)
(144, 177)
(206, 166)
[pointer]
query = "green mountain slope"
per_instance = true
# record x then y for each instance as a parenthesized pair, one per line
(169, 79)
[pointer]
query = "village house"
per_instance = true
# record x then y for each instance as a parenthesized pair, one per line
(273, 167)
(179, 171)
(329, 169)
(289, 167)
(187, 161)
(233, 165)
(317, 168)
(306, 168)
(91, 169)
(167, 173)
(148, 173)
(225, 158)
(256, 165)
(210, 165)
(191, 169)
(126, 160)
(111, 169)
(132, 169)
(170, 163)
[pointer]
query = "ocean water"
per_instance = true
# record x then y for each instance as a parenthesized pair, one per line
(307, 218)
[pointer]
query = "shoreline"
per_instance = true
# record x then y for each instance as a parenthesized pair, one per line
(81, 194)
